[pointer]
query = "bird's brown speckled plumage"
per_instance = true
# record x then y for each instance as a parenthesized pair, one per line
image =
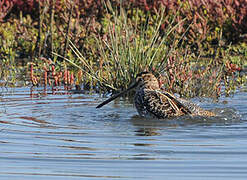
(151, 101)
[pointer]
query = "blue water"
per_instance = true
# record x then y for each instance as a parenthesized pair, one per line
(56, 135)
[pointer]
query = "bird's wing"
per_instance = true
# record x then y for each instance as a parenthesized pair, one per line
(184, 105)
(163, 105)
(189, 107)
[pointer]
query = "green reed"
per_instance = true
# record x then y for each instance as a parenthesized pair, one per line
(132, 45)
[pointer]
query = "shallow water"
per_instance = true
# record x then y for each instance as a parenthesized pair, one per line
(56, 135)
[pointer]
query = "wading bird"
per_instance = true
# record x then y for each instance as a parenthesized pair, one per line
(151, 101)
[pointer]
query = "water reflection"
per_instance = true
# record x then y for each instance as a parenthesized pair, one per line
(147, 132)
(34, 119)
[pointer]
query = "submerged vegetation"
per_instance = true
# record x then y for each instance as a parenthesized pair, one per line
(195, 47)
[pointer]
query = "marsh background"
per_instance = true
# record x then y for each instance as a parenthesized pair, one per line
(192, 45)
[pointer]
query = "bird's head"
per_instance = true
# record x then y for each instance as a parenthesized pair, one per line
(143, 80)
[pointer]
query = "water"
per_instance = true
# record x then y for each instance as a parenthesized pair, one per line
(62, 136)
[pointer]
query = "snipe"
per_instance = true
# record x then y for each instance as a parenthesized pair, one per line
(151, 101)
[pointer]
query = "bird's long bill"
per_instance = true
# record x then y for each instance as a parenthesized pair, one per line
(117, 95)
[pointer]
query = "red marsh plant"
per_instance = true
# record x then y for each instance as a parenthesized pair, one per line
(210, 23)
(50, 75)
(5, 7)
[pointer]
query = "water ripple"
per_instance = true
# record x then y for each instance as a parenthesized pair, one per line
(62, 136)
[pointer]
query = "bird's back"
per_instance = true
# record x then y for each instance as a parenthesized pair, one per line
(161, 104)
(153, 103)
